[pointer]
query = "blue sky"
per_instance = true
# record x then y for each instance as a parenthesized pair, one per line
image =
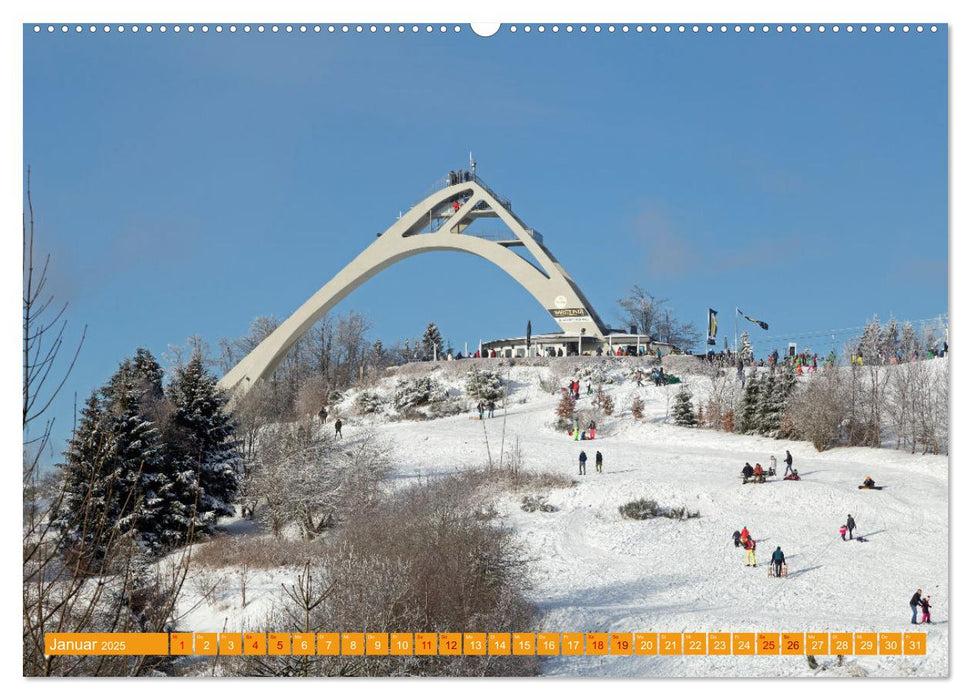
(188, 183)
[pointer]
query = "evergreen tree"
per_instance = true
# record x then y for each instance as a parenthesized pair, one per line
(745, 352)
(684, 412)
(114, 475)
(772, 401)
(200, 451)
(377, 354)
(870, 342)
(890, 340)
(86, 498)
(431, 343)
(747, 422)
(485, 385)
(908, 341)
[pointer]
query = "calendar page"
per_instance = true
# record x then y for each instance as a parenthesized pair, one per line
(547, 349)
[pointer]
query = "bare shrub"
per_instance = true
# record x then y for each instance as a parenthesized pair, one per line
(256, 551)
(311, 396)
(550, 382)
(637, 408)
(430, 558)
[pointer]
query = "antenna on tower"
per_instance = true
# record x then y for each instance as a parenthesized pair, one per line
(472, 165)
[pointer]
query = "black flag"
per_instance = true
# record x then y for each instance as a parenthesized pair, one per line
(529, 332)
(761, 324)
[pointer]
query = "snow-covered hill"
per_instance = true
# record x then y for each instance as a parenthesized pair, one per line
(596, 571)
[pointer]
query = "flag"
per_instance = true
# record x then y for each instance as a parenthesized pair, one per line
(529, 332)
(712, 326)
(761, 324)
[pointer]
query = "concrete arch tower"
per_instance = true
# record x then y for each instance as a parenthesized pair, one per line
(441, 221)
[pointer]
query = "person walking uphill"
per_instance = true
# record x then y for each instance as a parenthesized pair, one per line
(583, 463)
(850, 524)
(599, 461)
(750, 552)
(915, 600)
(778, 559)
(337, 428)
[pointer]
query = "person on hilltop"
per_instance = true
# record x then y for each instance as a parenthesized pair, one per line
(778, 560)
(915, 600)
(599, 462)
(583, 463)
(337, 428)
(788, 462)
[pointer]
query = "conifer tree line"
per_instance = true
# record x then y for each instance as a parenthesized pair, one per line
(154, 463)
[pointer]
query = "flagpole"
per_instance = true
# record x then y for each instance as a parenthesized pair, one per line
(736, 331)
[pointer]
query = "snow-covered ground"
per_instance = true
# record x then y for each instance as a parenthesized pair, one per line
(595, 571)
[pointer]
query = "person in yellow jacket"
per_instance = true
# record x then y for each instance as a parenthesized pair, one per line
(750, 551)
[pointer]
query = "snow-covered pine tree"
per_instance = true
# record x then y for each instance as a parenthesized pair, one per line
(745, 353)
(139, 477)
(376, 358)
(747, 421)
(890, 340)
(683, 411)
(870, 342)
(431, 343)
(908, 341)
(200, 450)
(484, 385)
(85, 517)
(770, 407)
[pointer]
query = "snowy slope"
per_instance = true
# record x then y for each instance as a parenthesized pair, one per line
(595, 571)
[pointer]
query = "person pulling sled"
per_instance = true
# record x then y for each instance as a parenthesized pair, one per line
(778, 568)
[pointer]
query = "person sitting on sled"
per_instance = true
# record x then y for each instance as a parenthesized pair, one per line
(869, 483)
(747, 471)
(759, 474)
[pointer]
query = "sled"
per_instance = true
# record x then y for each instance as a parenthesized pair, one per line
(792, 477)
(783, 574)
(862, 539)
(870, 488)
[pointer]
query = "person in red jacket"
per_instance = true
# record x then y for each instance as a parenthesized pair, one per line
(750, 552)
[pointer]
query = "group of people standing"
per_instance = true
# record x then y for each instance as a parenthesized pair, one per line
(925, 607)
(456, 177)
(482, 407)
(598, 461)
